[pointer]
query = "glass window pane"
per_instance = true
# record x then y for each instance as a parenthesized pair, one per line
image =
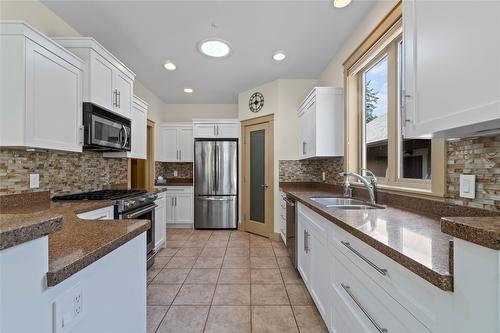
(416, 159)
(375, 117)
(257, 175)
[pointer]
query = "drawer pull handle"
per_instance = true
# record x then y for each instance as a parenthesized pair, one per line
(382, 271)
(362, 308)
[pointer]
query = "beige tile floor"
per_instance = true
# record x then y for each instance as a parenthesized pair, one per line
(227, 281)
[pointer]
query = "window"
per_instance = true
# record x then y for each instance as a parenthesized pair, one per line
(374, 84)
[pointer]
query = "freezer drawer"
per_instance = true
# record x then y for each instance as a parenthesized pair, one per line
(215, 212)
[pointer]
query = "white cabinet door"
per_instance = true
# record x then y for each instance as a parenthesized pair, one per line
(101, 82)
(226, 131)
(184, 208)
(53, 105)
(168, 145)
(170, 209)
(139, 132)
(452, 71)
(160, 221)
(123, 88)
(40, 91)
(205, 130)
(303, 248)
(185, 144)
(320, 272)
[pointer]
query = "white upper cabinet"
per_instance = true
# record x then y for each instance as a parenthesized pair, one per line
(40, 91)
(452, 67)
(107, 82)
(321, 123)
(139, 120)
(216, 128)
(176, 142)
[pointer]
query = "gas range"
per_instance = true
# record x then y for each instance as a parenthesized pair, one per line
(126, 200)
(129, 204)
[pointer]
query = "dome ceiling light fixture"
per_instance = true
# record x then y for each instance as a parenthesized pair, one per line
(279, 56)
(341, 3)
(169, 66)
(214, 47)
(188, 90)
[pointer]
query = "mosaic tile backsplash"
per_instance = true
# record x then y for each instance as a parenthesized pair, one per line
(480, 157)
(60, 172)
(472, 156)
(166, 169)
(311, 170)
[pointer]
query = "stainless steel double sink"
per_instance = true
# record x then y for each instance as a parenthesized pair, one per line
(343, 203)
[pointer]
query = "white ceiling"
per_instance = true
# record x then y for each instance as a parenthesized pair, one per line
(143, 34)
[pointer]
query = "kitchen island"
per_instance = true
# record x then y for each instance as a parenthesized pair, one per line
(67, 272)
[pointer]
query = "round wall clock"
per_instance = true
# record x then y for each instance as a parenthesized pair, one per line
(256, 102)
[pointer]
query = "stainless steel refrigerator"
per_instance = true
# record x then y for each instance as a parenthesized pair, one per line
(216, 184)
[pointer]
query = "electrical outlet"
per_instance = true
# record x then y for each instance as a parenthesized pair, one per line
(69, 309)
(34, 180)
(323, 176)
(175, 173)
(468, 186)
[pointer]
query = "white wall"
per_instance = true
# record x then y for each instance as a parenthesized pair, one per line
(187, 112)
(281, 98)
(333, 74)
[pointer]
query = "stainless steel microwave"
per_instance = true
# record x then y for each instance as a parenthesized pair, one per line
(104, 130)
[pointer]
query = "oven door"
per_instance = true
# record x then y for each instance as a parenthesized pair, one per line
(145, 213)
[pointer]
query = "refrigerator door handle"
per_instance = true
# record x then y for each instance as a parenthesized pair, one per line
(229, 198)
(216, 168)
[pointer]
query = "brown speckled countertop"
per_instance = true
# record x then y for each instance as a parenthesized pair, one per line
(413, 240)
(481, 230)
(176, 182)
(76, 243)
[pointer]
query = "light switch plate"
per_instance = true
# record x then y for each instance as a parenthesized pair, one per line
(34, 180)
(468, 186)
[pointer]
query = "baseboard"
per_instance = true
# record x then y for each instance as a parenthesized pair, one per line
(180, 225)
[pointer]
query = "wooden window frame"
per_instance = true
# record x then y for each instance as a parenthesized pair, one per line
(384, 39)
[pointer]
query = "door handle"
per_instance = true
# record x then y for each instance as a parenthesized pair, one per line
(264, 186)
(217, 129)
(118, 100)
(173, 201)
(126, 136)
(303, 147)
(216, 169)
(180, 155)
(114, 98)
(215, 133)
(379, 328)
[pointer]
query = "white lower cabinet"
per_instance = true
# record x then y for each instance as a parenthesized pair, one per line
(106, 213)
(352, 296)
(160, 221)
(179, 206)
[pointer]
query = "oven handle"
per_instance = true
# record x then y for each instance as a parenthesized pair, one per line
(142, 211)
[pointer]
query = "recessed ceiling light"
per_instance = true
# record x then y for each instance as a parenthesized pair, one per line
(278, 56)
(188, 90)
(214, 47)
(170, 66)
(341, 3)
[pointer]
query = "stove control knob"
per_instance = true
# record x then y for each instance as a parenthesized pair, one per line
(129, 203)
(142, 199)
(152, 196)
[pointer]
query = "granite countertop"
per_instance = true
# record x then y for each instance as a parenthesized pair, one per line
(176, 182)
(73, 243)
(481, 230)
(413, 240)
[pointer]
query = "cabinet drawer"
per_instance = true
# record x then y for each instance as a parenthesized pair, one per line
(106, 213)
(359, 303)
(407, 288)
